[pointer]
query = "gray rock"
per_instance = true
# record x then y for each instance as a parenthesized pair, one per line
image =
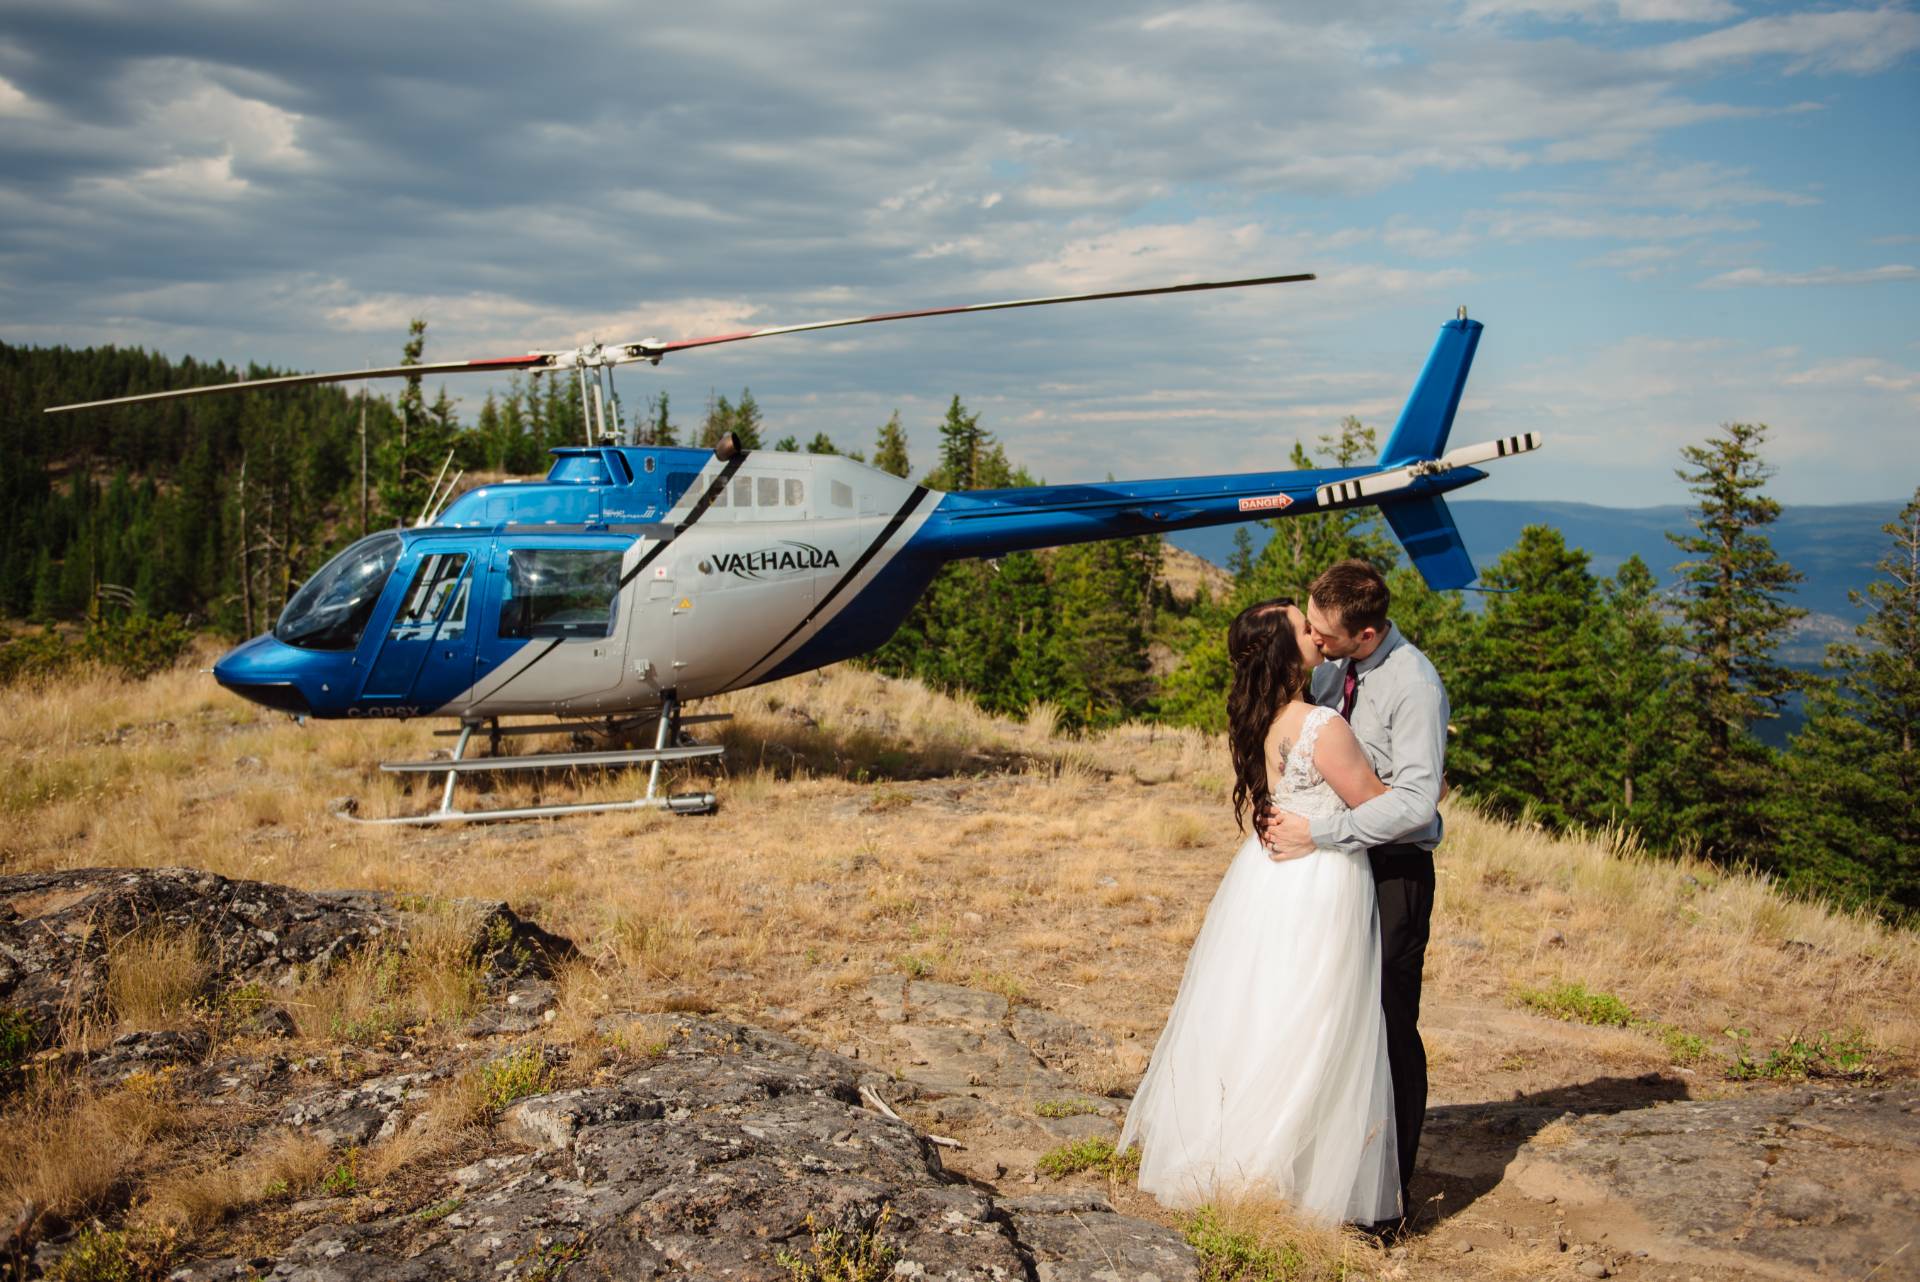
(1783, 1183)
(954, 1004)
(729, 1149)
(358, 1114)
(145, 1051)
(1099, 1246)
(58, 927)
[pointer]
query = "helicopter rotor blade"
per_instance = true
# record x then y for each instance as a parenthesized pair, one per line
(653, 350)
(534, 360)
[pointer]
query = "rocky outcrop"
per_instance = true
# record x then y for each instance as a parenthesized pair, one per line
(58, 931)
(1815, 1182)
(727, 1152)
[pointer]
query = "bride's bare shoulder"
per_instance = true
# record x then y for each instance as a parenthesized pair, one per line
(1285, 730)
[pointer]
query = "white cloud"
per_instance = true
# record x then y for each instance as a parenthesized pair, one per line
(1860, 41)
(1760, 276)
(1604, 10)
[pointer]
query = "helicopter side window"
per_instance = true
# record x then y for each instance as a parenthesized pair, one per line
(427, 596)
(560, 592)
(769, 495)
(796, 492)
(331, 610)
(579, 469)
(743, 491)
(841, 494)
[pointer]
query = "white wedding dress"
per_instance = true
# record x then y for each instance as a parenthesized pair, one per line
(1271, 1074)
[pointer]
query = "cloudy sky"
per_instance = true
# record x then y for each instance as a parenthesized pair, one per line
(1668, 213)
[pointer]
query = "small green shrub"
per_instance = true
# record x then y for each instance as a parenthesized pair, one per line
(1065, 1107)
(1577, 1003)
(344, 1179)
(438, 1211)
(515, 1076)
(1799, 1058)
(837, 1255)
(1683, 1047)
(1095, 1154)
(1227, 1256)
(98, 1254)
(16, 1039)
(136, 646)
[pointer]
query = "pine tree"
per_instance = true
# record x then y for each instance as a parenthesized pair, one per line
(660, 429)
(402, 487)
(890, 450)
(718, 423)
(1850, 820)
(821, 444)
(746, 421)
(1527, 707)
(961, 441)
(787, 445)
(1733, 619)
(1636, 663)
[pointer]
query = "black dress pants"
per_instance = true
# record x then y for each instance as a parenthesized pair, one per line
(1403, 882)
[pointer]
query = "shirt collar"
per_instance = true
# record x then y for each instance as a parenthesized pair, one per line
(1388, 644)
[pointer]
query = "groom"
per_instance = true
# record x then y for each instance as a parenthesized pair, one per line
(1393, 698)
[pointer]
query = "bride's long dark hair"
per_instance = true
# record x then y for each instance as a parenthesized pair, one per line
(1268, 673)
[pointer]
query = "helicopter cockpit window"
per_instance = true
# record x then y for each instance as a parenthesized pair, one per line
(841, 493)
(331, 610)
(560, 592)
(434, 585)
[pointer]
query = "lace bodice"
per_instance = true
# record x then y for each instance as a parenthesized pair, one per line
(1299, 787)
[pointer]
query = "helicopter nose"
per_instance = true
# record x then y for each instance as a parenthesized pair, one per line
(262, 670)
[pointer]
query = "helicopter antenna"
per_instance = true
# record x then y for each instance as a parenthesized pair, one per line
(597, 356)
(434, 493)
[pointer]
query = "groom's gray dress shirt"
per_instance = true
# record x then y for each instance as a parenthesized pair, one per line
(1400, 718)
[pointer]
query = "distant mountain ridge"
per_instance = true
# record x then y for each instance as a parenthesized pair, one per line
(1835, 546)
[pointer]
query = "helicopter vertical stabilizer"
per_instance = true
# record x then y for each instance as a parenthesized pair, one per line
(1425, 528)
(1422, 430)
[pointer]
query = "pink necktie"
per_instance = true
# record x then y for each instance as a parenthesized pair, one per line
(1348, 688)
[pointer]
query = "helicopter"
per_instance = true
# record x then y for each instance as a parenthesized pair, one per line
(636, 579)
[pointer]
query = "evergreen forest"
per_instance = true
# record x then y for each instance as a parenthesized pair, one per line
(1628, 703)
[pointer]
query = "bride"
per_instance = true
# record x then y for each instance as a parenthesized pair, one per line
(1271, 1074)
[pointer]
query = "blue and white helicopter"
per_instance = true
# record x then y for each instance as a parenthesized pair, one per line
(636, 579)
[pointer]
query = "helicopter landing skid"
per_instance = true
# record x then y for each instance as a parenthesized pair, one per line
(665, 749)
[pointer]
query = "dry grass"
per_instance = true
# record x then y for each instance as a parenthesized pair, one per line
(1259, 1239)
(430, 983)
(868, 828)
(154, 977)
(70, 1151)
(286, 1164)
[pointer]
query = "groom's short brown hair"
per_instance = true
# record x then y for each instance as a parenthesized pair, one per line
(1355, 593)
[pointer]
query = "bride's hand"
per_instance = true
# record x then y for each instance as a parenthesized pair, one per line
(1286, 835)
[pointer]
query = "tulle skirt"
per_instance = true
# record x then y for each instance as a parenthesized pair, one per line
(1271, 1074)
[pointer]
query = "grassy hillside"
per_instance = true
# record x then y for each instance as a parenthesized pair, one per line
(870, 828)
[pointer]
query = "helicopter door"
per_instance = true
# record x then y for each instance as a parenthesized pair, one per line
(428, 650)
(552, 638)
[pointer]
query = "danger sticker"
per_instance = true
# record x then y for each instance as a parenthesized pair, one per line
(1266, 502)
